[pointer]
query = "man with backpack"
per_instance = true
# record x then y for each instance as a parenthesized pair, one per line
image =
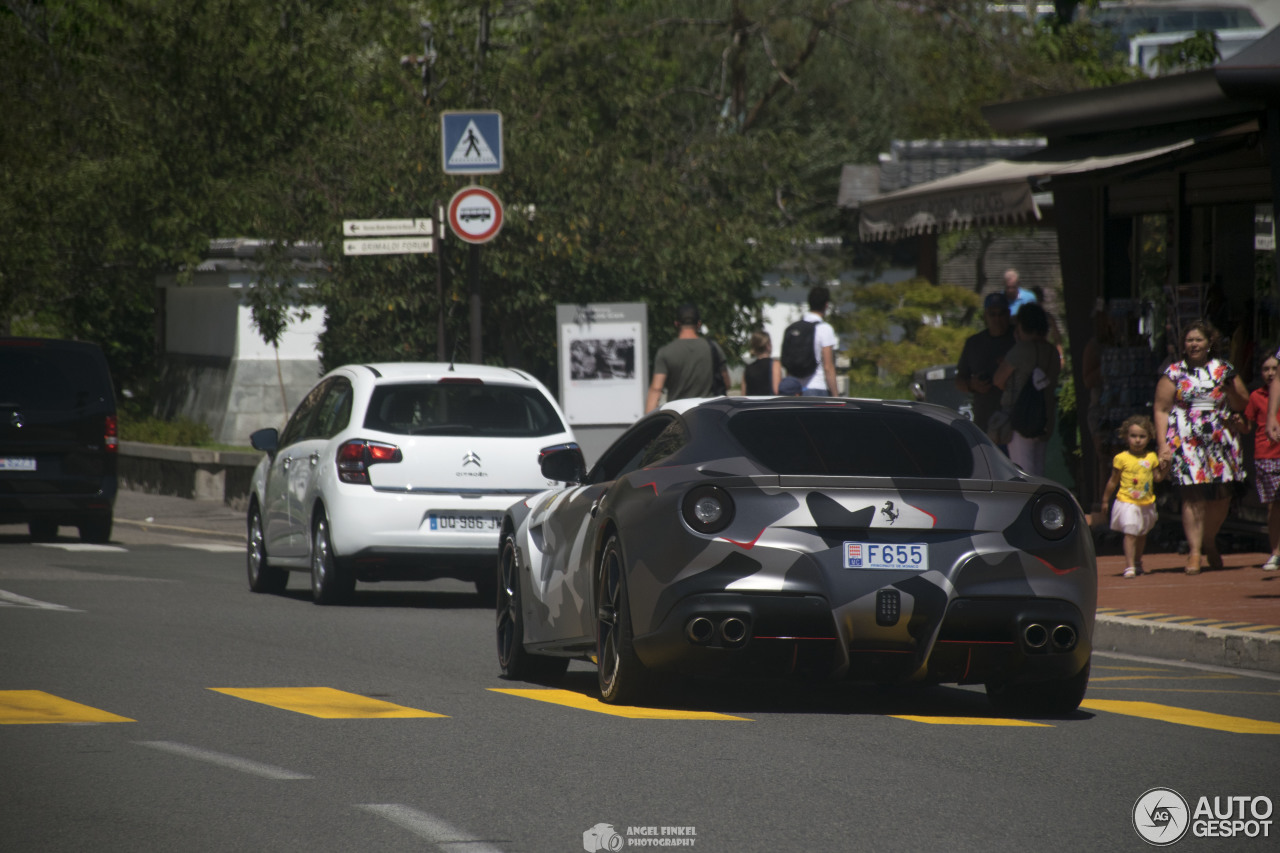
(689, 366)
(808, 347)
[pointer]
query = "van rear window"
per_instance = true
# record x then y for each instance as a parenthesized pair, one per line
(38, 376)
(853, 443)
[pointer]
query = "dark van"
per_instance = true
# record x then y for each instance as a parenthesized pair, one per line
(58, 439)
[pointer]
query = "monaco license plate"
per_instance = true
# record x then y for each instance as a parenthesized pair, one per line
(451, 522)
(17, 463)
(879, 555)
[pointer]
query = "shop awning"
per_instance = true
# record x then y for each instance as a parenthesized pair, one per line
(999, 193)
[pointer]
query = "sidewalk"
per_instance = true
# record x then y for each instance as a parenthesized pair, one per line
(1227, 618)
(166, 514)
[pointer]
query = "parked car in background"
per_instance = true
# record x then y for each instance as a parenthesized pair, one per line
(881, 541)
(397, 472)
(58, 438)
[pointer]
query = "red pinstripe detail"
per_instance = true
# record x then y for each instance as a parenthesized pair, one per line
(1055, 569)
(746, 545)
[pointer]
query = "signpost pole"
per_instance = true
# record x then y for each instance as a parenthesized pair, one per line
(473, 276)
(441, 350)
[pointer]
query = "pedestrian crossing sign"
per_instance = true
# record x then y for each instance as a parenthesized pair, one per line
(471, 142)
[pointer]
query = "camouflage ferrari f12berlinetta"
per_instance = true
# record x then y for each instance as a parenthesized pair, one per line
(885, 541)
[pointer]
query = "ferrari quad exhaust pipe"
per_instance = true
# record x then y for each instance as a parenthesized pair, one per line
(1064, 638)
(1035, 635)
(700, 630)
(733, 630)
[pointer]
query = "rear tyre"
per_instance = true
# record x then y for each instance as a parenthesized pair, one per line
(43, 531)
(329, 583)
(263, 577)
(623, 678)
(487, 586)
(516, 663)
(1044, 698)
(97, 529)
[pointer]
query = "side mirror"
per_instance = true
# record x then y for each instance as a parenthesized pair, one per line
(917, 391)
(267, 440)
(563, 462)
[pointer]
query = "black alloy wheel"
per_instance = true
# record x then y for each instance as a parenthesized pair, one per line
(516, 663)
(623, 679)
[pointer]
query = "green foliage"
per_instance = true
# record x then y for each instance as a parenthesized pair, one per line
(179, 432)
(1191, 54)
(900, 328)
(656, 151)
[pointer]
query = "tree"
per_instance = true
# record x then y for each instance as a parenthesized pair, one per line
(899, 328)
(657, 151)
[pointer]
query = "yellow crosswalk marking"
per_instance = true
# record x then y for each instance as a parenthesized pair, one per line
(36, 706)
(569, 699)
(324, 702)
(1204, 677)
(968, 721)
(1183, 716)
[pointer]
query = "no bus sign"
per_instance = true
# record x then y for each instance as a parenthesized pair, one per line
(475, 215)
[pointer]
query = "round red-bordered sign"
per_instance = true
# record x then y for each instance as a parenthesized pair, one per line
(475, 215)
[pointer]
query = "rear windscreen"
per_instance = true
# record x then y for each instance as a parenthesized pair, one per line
(50, 379)
(841, 442)
(461, 409)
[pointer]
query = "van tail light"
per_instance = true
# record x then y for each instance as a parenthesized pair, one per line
(355, 457)
(110, 434)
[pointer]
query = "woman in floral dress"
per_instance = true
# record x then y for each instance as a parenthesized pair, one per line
(1197, 407)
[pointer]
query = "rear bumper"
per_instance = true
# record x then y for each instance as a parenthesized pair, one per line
(393, 564)
(25, 502)
(1002, 640)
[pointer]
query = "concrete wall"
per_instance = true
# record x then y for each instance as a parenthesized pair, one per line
(218, 370)
(187, 472)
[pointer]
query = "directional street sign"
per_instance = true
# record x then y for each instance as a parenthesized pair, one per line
(387, 227)
(389, 246)
(471, 142)
(475, 215)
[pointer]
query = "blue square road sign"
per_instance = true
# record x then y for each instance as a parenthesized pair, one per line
(471, 142)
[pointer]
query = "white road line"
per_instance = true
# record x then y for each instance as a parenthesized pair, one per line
(213, 547)
(81, 546)
(244, 765)
(429, 828)
(12, 599)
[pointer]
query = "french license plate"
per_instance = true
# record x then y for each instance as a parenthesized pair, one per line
(880, 555)
(462, 522)
(17, 463)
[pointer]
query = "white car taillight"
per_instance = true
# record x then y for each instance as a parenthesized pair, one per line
(355, 457)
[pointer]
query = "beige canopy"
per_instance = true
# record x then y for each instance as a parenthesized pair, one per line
(999, 193)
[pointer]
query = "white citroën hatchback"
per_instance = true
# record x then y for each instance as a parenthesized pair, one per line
(397, 472)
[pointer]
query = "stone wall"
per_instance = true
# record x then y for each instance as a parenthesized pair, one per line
(233, 397)
(188, 472)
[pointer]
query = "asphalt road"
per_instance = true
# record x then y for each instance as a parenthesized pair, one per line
(149, 701)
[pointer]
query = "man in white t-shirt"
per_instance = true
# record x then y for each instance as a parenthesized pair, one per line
(823, 381)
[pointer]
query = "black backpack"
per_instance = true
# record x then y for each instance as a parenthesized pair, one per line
(1030, 415)
(718, 388)
(797, 349)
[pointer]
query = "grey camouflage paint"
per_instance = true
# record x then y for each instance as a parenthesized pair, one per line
(989, 571)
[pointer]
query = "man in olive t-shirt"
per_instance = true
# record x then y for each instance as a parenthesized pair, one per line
(685, 365)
